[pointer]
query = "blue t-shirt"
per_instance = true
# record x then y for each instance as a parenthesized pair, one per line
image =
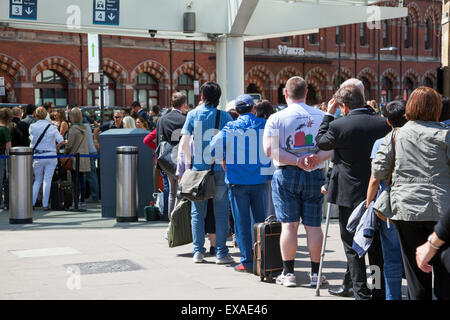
(200, 123)
(373, 155)
(240, 144)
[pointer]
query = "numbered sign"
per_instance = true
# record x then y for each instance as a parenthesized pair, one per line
(106, 12)
(23, 9)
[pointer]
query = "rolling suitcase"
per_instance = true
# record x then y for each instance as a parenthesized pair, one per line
(61, 195)
(267, 262)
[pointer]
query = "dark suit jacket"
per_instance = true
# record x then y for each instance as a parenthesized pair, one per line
(166, 126)
(352, 138)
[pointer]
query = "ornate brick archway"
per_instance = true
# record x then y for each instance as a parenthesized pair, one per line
(12, 71)
(262, 78)
(59, 64)
(286, 73)
(319, 79)
(188, 68)
(152, 67)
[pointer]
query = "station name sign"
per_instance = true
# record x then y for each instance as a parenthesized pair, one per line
(288, 51)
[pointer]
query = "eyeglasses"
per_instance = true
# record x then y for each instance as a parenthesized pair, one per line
(117, 117)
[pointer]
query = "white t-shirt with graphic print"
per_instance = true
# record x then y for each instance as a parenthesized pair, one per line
(297, 127)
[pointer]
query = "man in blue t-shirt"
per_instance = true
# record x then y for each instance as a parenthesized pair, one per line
(200, 123)
(239, 145)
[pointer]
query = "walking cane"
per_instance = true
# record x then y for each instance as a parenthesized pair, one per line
(324, 243)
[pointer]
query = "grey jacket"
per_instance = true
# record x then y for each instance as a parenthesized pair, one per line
(420, 188)
(77, 137)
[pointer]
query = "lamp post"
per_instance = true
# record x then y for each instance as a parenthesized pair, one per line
(379, 65)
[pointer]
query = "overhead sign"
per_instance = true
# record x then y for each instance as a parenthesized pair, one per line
(288, 51)
(106, 12)
(23, 9)
(93, 53)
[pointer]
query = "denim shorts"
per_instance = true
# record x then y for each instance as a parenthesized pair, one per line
(296, 193)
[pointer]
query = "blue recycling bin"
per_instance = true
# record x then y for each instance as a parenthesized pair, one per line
(111, 139)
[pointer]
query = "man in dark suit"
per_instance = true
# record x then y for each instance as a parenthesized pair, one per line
(352, 138)
(168, 128)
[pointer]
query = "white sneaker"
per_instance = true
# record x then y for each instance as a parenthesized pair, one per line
(198, 257)
(287, 280)
(225, 260)
(314, 278)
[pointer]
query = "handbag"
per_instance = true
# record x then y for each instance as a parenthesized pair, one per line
(199, 185)
(382, 205)
(67, 163)
(180, 230)
(167, 157)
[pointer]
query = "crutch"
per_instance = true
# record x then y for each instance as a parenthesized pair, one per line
(324, 243)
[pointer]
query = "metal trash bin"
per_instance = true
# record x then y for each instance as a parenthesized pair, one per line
(127, 184)
(20, 172)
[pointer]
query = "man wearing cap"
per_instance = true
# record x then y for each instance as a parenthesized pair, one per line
(239, 145)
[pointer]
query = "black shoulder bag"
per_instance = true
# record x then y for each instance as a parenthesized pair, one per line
(199, 185)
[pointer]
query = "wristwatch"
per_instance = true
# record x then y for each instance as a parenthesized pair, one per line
(431, 244)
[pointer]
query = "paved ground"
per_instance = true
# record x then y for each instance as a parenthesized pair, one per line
(35, 263)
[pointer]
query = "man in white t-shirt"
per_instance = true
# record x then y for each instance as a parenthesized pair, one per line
(289, 139)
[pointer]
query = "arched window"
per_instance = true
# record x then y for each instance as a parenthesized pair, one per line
(408, 87)
(408, 32)
(93, 92)
(367, 88)
(362, 34)
(387, 90)
(50, 87)
(311, 96)
(385, 34)
(185, 84)
(427, 82)
(146, 90)
(428, 34)
(281, 99)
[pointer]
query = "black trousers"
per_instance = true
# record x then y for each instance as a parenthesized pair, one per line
(356, 266)
(413, 235)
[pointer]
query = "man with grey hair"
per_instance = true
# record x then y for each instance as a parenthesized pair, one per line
(351, 137)
(354, 82)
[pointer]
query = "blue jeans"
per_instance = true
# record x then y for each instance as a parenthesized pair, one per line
(166, 193)
(198, 214)
(92, 179)
(392, 257)
(242, 199)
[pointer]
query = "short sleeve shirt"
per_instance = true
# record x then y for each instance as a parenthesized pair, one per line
(200, 123)
(5, 137)
(296, 128)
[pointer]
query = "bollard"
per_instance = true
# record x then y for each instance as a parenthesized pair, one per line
(127, 184)
(20, 171)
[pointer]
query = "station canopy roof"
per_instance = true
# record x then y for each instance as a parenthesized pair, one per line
(250, 19)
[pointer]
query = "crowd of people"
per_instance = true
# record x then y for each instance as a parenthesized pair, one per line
(266, 162)
(273, 163)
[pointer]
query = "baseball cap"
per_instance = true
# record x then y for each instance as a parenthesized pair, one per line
(243, 101)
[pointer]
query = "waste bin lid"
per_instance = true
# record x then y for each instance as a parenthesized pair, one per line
(21, 151)
(127, 150)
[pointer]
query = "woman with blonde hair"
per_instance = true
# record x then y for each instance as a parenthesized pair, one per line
(45, 140)
(128, 122)
(77, 143)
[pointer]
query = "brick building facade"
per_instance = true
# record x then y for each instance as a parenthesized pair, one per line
(40, 65)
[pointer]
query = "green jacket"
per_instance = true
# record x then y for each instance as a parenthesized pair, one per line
(420, 189)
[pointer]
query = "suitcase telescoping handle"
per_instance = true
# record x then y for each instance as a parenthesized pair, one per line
(271, 219)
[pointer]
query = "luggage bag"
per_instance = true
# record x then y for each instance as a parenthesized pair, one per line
(61, 195)
(267, 261)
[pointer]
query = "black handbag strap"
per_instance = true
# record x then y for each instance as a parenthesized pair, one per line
(40, 137)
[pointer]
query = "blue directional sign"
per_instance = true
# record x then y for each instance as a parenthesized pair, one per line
(23, 9)
(106, 12)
